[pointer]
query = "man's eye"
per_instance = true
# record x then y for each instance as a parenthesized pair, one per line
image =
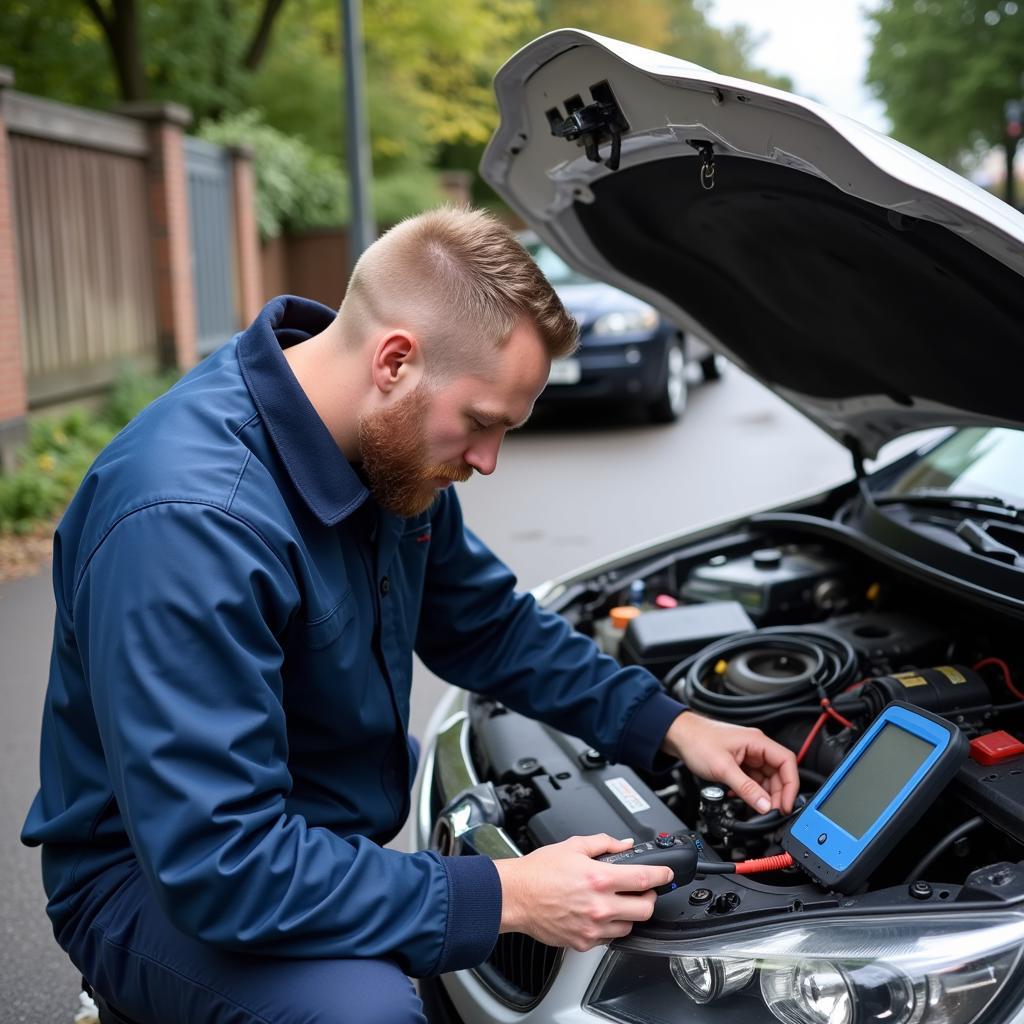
(477, 424)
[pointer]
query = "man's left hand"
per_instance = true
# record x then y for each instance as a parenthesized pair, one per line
(760, 771)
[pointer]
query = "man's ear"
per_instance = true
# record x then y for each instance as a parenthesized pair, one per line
(397, 359)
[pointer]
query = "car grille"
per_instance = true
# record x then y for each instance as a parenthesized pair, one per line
(519, 970)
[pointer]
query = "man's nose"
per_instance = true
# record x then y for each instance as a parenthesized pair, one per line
(482, 455)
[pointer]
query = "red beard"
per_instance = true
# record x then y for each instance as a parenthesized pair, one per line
(393, 449)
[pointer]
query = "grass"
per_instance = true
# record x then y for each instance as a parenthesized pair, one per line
(60, 449)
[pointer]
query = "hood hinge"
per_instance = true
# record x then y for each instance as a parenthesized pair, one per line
(853, 446)
(591, 124)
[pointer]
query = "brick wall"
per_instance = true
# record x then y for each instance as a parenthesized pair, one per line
(168, 212)
(247, 242)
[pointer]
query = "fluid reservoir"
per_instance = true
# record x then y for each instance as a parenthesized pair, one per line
(608, 632)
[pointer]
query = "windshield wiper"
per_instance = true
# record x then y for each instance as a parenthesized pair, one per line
(987, 504)
(977, 538)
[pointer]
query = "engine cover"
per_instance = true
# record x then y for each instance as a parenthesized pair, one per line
(577, 792)
(612, 799)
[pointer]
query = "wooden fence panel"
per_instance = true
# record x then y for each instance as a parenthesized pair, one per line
(82, 231)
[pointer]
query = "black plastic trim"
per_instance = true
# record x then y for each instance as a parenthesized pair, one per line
(884, 552)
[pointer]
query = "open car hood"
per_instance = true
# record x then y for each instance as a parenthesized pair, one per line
(875, 290)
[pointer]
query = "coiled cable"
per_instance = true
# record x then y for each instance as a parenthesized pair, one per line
(833, 662)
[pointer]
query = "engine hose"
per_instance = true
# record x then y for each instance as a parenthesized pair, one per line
(834, 667)
(847, 704)
(808, 775)
(941, 847)
(766, 822)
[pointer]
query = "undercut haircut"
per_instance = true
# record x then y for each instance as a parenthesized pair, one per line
(460, 281)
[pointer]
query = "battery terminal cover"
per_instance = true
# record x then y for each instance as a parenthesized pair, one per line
(995, 748)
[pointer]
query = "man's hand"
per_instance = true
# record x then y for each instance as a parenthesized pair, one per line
(760, 771)
(561, 896)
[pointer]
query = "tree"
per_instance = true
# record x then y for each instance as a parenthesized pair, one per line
(945, 70)
(56, 50)
(100, 52)
(429, 64)
(678, 27)
(195, 50)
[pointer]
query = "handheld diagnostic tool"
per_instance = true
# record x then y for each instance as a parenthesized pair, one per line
(884, 784)
(672, 851)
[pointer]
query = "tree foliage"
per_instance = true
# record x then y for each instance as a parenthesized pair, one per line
(945, 69)
(298, 188)
(678, 28)
(57, 51)
(429, 68)
(99, 52)
(429, 62)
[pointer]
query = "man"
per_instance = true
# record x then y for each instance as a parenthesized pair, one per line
(241, 581)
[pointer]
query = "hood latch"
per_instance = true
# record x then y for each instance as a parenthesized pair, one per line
(707, 162)
(591, 124)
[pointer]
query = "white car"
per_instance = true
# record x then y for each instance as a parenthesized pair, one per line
(880, 294)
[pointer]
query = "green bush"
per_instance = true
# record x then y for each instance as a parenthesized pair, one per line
(131, 393)
(298, 188)
(60, 450)
(295, 185)
(404, 194)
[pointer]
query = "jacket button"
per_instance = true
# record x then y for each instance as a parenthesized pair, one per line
(385, 585)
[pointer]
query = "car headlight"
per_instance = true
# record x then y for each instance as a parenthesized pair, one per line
(925, 969)
(631, 321)
(706, 978)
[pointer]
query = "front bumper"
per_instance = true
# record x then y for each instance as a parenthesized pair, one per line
(472, 995)
(464, 1000)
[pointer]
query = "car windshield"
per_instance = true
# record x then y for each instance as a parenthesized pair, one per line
(975, 461)
(555, 269)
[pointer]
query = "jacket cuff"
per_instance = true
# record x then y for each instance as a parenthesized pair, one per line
(641, 742)
(474, 912)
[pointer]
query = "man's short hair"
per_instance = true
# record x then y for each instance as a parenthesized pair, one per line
(460, 281)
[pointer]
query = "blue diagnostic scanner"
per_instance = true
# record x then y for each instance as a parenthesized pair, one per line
(885, 783)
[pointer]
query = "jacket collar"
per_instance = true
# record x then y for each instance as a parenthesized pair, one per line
(317, 466)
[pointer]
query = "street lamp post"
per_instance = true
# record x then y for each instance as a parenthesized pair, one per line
(362, 230)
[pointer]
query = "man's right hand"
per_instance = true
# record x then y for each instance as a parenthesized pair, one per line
(560, 895)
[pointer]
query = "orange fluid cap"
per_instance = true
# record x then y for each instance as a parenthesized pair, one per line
(622, 615)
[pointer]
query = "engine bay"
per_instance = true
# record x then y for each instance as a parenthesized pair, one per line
(804, 636)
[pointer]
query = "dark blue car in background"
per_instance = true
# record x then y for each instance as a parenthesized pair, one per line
(628, 351)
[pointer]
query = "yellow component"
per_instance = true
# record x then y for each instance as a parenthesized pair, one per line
(873, 591)
(721, 667)
(620, 616)
(952, 674)
(909, 679)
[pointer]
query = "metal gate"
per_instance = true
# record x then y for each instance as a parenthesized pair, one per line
(208, 169)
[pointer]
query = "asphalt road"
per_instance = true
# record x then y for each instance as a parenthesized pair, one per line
(569, 489)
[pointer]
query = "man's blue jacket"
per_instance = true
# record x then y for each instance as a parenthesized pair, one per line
(228, 699)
